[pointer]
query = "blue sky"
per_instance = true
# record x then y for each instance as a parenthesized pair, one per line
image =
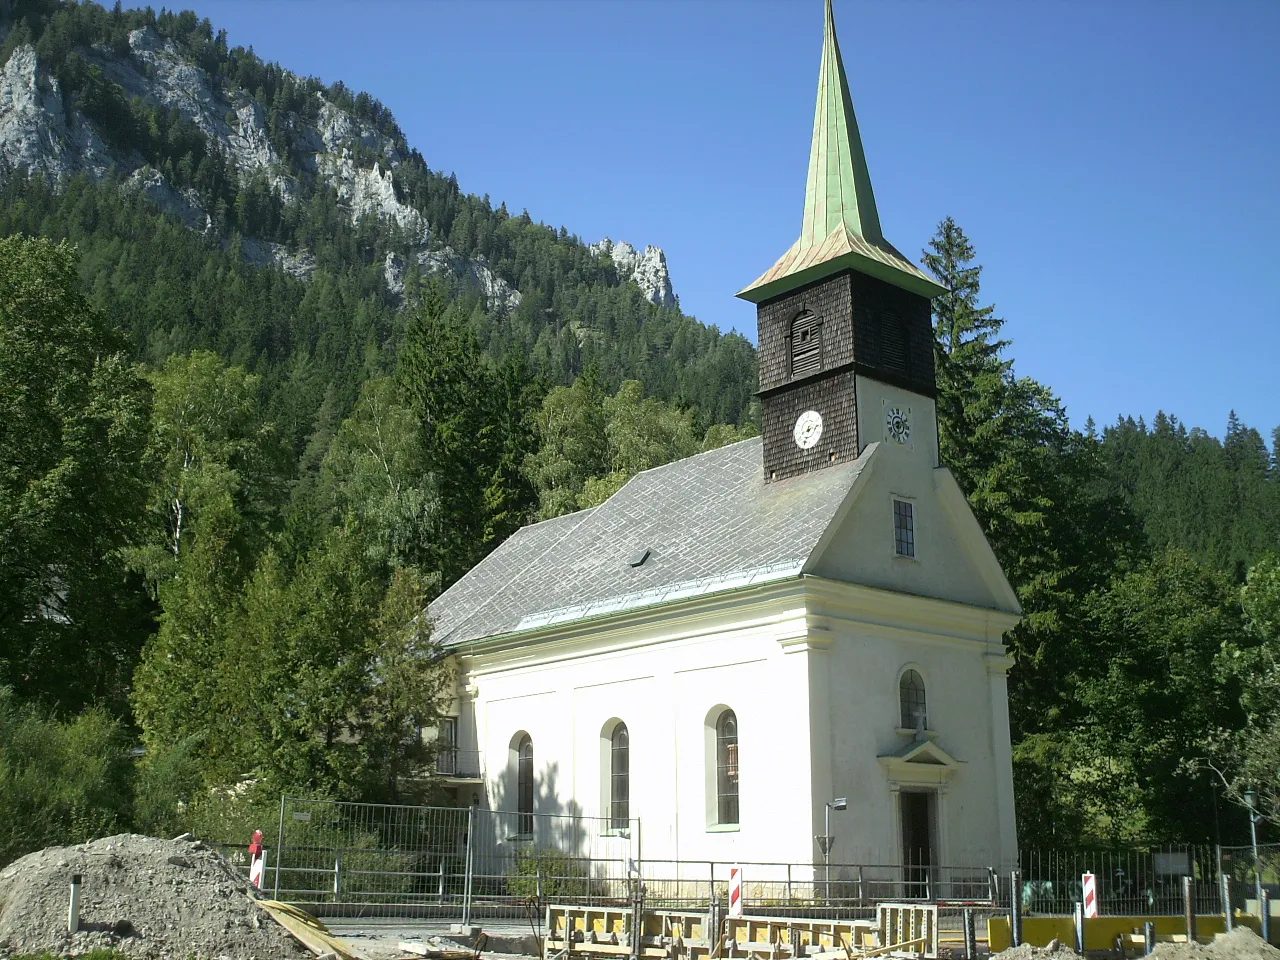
(1115, 164)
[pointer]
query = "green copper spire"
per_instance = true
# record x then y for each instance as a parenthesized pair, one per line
(841, 228)
(838, 190)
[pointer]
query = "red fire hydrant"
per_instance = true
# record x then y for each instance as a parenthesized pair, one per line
(256, 859)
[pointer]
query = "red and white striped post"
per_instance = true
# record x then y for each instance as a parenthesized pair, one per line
(735, 891)
(257, 857)
(1089, 883)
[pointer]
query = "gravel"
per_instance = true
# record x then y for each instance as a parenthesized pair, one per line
(145, 897)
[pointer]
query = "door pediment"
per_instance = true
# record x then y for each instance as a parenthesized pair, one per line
(921, 762)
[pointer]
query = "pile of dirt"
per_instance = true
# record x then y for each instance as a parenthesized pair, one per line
(1240, 944)
(1056, 950)
(145, 897)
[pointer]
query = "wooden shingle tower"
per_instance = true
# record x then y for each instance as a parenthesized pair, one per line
(842, 303)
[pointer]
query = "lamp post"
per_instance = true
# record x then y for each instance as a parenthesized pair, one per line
(826, 840)
(1250, 798)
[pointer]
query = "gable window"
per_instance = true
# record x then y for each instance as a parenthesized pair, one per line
(619, 778)
(912, 700)
(727, 768)
(806, 345)
(904, 528)
(524, 783)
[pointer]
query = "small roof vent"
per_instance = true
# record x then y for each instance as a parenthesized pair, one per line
(639, 557)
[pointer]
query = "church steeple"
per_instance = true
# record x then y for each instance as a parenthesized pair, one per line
(841, 228)
(838, 189)
(846, 341)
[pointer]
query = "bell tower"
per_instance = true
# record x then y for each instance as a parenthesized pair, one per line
(840, 309)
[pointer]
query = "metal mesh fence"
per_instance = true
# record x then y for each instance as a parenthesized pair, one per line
(1247, 876)
(378, 859)
(1129, 882)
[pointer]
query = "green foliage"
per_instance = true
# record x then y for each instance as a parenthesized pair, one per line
(473, 434)
(60, 782)
(552, 873)
(73, 424)
(1218, 500)
(591, 444)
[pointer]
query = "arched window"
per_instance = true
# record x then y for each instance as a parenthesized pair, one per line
(806, 345)
(619, 778)
(524, 783)
(727, 767)
(911, 696)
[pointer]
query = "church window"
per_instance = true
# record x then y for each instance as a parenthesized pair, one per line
(806, 345)
(727, 767)
(904, 528)
(524, 783)
(619, 778)
(895, 345)
(911, 697)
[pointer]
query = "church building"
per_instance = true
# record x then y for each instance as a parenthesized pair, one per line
(735, 641)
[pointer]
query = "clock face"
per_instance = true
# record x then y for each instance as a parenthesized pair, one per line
(808, 429)
(898, 423)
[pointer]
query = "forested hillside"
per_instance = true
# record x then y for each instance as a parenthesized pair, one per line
(284, 383)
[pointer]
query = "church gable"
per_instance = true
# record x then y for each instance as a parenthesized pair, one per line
(907, 528)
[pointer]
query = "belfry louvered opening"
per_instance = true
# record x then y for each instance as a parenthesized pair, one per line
(806, 345)
(895, 345)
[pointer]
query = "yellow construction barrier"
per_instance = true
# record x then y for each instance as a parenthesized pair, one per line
(899, 930)
(1099, 932)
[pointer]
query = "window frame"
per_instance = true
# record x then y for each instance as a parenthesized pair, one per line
(619, 778)
(904, 678)
(910, 540)
(525, 786)
(728, 773)
(814, 324)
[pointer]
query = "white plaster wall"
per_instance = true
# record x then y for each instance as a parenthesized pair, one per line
(664, 688)
(866, 664)
(876, 399)
(863, 550)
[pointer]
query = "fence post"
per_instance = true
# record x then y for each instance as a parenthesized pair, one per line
(862, 887)
(1264, 908)
(970, 935)
(712, 866)
(1228, 914)
(788, 884)
(279, 849)
(1189, 906)
(993, 885)
(337, 874)
(467, 869)
(1079, 916)
(1149, 937)
(1015, 907)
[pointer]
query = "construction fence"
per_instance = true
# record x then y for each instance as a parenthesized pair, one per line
(337, 858)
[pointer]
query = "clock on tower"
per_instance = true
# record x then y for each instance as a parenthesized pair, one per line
(841, 305)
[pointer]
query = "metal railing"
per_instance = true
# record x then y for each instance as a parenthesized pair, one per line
(463, 764)
(1134, 882)
(379, 859)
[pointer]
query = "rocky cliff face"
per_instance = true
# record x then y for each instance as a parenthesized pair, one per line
(648, 269)
(40, 136)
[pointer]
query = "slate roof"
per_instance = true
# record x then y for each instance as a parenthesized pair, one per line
(710, 522)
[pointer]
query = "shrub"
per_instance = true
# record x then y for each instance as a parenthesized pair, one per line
(61, 782)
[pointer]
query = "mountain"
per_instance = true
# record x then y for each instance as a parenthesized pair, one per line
(223, 202)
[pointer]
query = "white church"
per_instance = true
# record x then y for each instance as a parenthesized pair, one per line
(735, 641)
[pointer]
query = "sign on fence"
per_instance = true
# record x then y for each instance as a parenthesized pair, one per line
(1090, 885)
